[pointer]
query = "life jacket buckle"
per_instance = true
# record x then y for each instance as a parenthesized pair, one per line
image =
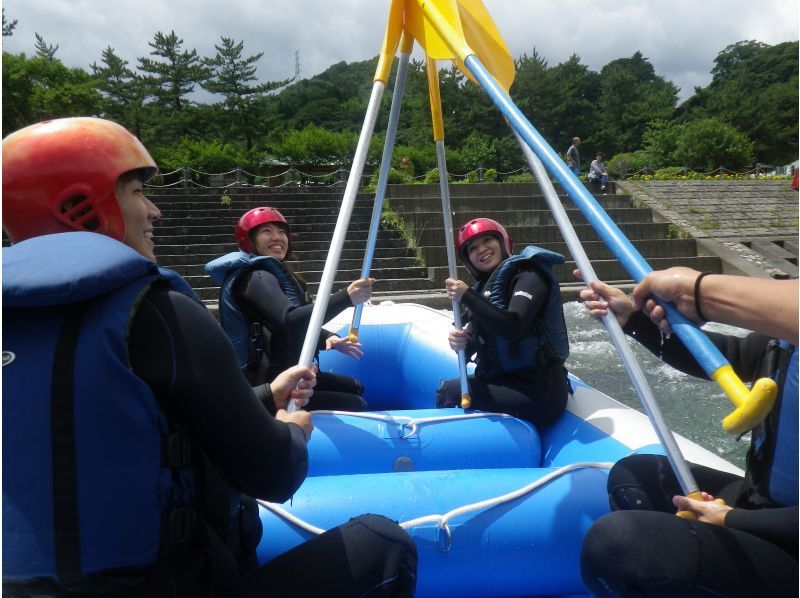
(177, 451)
(179, 526)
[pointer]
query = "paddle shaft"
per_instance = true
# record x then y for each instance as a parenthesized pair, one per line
(383, 178)
(342, 222)
(629, 361)
(449, 242)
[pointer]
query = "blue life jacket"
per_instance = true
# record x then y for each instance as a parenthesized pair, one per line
(246, 336)
(88, 473)
(782, 480)
(547, 340)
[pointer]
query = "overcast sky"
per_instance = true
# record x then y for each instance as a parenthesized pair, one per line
(681, 38)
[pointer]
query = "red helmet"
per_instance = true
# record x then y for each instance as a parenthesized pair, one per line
(481, 226)
(60, 175)
(257, 217)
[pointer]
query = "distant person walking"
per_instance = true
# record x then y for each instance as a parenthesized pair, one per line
(574, 156)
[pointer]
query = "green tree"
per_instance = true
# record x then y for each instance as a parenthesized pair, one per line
(754, 89)
(659, 142)
(122, 91)
(230, 76)
(45, 50)
(169, 79)
(632, 96)
(37, 88)
(8, 26)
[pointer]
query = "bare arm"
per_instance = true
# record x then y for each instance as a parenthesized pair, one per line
(763, 305)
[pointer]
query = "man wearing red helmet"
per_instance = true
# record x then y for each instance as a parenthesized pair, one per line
(129, 434)
(514, 326)
(265, 308)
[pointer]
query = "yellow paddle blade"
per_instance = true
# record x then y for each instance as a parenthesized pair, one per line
(394, 28)
(752, 405)
(455, 29)
(487, 43)
(424, 19)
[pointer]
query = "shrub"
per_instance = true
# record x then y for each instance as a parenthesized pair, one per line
(709, 143)
(432, 176)
(490, 176)
(626, 164)
(205, 156)
(525, 177)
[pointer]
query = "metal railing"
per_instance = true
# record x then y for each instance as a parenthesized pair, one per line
(187, 177)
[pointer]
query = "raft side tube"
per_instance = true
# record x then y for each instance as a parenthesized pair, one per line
(444, 439)
(527, 546)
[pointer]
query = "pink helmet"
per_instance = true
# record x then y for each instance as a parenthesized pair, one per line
(254, 218)
(481, 226)
(60, 175)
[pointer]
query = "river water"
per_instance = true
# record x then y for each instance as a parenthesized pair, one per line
(691, 407)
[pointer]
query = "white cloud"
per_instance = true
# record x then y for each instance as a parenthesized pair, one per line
(681, 37)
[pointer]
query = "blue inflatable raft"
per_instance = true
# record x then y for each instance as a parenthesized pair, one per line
(496, 507)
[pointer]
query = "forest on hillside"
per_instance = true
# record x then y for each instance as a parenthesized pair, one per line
(748, 114)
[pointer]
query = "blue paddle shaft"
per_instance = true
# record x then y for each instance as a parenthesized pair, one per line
(706, 354)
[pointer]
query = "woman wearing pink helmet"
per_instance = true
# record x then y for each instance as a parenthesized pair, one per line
(514, 326)
(265, 308)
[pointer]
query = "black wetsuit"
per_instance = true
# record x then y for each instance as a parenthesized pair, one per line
(181, 352)
(284, 329)
(643, 549)
(537, 394)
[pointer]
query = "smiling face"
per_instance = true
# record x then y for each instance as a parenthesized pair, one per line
(270, 239)
(138, 214)
(484, 252)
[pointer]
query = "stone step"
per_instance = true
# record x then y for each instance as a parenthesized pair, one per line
(478, 190)
(403, 205)
(510, 218)
(397, 254)
(349, 267)
(595, 250)
(248, 193)
(224, 243)
(188, 226)
(606, 270)
(242, 204)
(536, 235)
(294, 215)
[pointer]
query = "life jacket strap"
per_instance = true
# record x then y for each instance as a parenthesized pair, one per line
(66, 524)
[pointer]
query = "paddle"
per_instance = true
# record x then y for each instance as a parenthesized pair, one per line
(629, 361)
(406, 44)
(751, 405)
(449, 242)
(390, 42)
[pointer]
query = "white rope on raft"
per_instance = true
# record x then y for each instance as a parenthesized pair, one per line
(412, 423)
(442, 521)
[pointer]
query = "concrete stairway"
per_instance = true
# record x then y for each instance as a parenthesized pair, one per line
(523, 211)
(198, 226)
(410, 261)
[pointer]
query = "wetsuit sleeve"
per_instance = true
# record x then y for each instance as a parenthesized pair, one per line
(261, 294)
(183, 354)
(778, 525)
(744, 353)
(528, 295)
